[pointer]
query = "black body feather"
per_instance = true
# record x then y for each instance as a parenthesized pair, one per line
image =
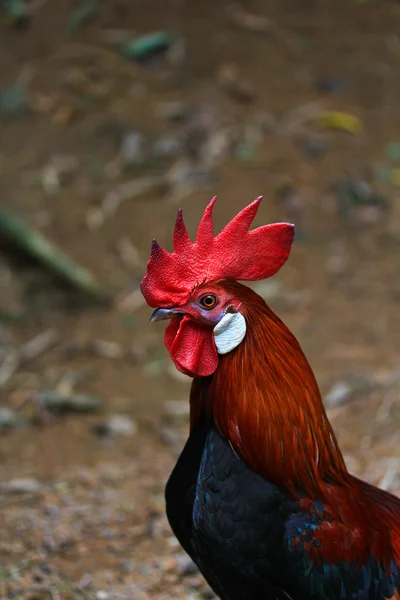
(238, 529)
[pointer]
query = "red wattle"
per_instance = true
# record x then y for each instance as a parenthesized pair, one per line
(191, 347)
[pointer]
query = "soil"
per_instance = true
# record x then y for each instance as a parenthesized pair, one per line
(89, 520)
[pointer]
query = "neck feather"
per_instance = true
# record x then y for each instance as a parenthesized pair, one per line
(265, 400)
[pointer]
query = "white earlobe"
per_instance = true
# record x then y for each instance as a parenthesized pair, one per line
(229, 332)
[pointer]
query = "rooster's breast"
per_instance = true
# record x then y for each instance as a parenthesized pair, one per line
(229, 520)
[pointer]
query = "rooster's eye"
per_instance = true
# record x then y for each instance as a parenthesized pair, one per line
(208, 301)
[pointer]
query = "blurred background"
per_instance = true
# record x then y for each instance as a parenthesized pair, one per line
(113, 114)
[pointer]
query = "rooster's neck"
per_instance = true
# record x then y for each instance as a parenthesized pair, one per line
(265, 400)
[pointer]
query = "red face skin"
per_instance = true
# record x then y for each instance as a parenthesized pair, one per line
(189, 336)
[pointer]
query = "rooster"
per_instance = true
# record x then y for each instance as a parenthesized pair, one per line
(260, 497)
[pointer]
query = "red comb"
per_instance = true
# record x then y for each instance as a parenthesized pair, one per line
(236, 252)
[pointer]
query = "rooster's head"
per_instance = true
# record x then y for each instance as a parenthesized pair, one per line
(187, 285)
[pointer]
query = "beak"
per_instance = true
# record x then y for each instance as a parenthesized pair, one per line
(161, 314)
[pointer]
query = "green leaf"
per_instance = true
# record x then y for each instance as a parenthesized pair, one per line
(13, 100)
(141, 47)
(38, 247)
(81, 15)
(16, 10)
(392, 151)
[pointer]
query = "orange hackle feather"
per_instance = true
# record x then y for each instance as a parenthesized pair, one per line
(265, 400)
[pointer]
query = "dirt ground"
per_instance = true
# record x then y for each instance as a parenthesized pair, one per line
(240, 105)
